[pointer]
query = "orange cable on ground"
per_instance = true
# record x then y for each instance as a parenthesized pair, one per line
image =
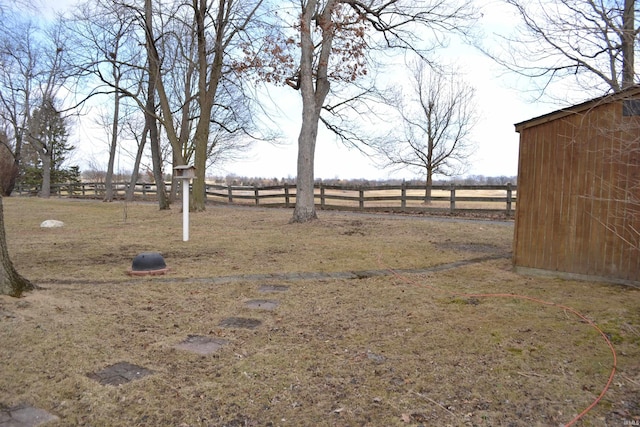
(538, 301)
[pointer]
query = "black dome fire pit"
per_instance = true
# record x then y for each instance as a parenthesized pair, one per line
(148, 263)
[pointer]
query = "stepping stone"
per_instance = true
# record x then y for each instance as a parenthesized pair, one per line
(239, 322)
(120, 373)
(24, 416)
(201, 344)
(273, 288)
(262, 304)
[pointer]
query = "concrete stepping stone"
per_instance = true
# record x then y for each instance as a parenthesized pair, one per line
(202, 344)
(239, 322)
(273, 288)
(262, 304)
(120, 373)
(24, 416)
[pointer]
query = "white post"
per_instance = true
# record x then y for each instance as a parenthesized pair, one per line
(184, 173)
(185, 210)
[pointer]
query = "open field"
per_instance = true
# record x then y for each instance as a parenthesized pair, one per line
(346, 343)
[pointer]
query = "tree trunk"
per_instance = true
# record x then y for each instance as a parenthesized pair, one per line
(313, 97)
(12, 181)
(108, 196)
(428, 187)
(45, 191)
(201, 141)
(154, 140)
(150, 116)
(17, 155)
(11, 283)
(136, 166)
(305, 209)
(208, 80)
(7, 187)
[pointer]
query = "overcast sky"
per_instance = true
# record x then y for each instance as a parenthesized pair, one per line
(499, 102)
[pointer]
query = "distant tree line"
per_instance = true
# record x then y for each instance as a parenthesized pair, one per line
(363, 182)
(92, 175)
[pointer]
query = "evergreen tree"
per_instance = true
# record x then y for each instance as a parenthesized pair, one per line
(46, 150)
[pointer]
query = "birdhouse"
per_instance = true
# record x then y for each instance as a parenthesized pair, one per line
(184, 172)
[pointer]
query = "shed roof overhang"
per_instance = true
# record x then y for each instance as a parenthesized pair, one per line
(575, 109)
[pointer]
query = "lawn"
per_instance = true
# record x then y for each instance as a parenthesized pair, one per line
(340, 341)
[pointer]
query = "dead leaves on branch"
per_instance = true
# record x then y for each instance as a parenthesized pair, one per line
(276, 59)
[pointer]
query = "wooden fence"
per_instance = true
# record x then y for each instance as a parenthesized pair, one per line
(455, 199)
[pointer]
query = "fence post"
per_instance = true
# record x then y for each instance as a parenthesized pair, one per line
(452, 198)
(509, 199)
(361, 199)
(256, 194)
(286, 194)
(230, 194)
(321, 195)
(403, 195)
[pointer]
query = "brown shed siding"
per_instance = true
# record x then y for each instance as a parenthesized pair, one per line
(578, 190)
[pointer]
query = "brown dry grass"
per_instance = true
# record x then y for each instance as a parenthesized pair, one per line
(378, 351)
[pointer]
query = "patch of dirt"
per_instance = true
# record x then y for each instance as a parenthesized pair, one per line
(471, 247)
(239, 322)
(6, 314)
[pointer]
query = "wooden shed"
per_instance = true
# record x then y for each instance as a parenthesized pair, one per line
(578, 200)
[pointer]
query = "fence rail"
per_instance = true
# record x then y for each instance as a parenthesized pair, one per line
(496, 199)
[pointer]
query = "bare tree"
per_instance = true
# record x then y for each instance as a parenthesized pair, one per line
(151, 123)
(112, 38)
(109, 54)
(207, 33)
(120, 29)
(583, 44)
(19, 70)
(325, 46)
(11, 283)
(33, 69)
(438, 114)
(141, 142)
(186, 47)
